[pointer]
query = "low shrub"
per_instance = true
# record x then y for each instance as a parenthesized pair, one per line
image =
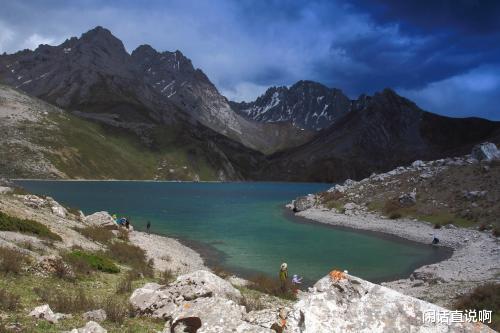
(62, 270)
(123, 235)
(66, 301)
(252, 304)
(166, 276)
(496, 231)
(83, 262)
(391, 206)
(98, 234)
(221, 272)
(131, 255)
(485, 297)
(270, 286)
(330, 196)
(117, 309)
(125, 284)
(12, 261)
(395, 216)
(437, 226)
(8, 300)
(10, 223)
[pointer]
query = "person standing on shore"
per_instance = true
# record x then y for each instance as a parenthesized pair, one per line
(148, 226)
(283, 274)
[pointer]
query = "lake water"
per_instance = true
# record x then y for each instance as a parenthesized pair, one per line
(244, 228)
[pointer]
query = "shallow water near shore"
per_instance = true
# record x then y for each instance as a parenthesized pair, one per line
(244, 228)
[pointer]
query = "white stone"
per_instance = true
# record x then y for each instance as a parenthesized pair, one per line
(95, 315)
(100, 219)
(90, 327)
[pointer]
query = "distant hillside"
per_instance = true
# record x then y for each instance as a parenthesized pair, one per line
(41, 141)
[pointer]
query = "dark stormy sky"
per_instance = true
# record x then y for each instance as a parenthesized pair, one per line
(444, 55)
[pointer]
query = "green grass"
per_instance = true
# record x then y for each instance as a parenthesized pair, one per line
(100, 287)
(94, 260)
(444, 218)
(84, 149)
(10, 223)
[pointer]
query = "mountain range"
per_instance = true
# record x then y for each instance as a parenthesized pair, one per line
(159, 104)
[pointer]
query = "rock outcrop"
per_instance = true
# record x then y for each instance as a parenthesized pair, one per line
(197, 300)
(343, 303)
(486, 151)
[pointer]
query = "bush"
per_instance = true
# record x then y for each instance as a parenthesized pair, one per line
(395, 216)
(8, 300)
(12, 261)
(270, 286)
(437, 226)
(485, 297)
(496, 232)
(125, 284)
(117, 310)
(391, 206)
(166, 276)
(98, 234)
(330, 196)
(252, 304)
(10, 223)
(123, 235)
(83, 262)
(66, 301)
(131, 255)
(62, 271)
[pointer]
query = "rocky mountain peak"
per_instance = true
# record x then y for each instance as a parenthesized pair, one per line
(306, 104)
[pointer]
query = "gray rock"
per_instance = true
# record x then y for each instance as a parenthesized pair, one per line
(44, 312)
(161, 301)
(303, 203)
(34, 201)
(418, 164)
(100, 219)
(5, 189)
(196, 298)
(90, 327)
(408, 199)
(486, 151)
(474, 195)
(354, 305)
(95, 315)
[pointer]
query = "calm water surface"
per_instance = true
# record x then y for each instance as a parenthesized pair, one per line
(245, 226)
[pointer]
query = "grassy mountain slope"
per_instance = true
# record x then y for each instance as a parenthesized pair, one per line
(42, 141)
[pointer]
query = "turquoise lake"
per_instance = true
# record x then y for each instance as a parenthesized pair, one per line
(244, 227)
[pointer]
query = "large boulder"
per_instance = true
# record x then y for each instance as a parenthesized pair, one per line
(342, 303)
(302, 203)
(486, 151)
(199, 300)
(100, 219)
(57, 208)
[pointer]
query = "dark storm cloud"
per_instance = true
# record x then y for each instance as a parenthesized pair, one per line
(429, 50)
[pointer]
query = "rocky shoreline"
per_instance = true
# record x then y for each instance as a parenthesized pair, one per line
(476, 251)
